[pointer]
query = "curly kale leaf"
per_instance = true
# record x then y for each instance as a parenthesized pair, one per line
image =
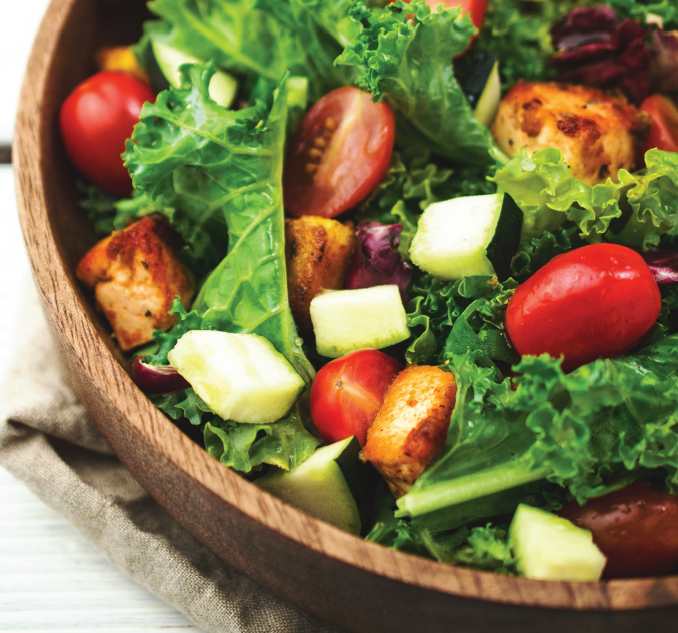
(586, 430)
(408, 63)
(224, 167)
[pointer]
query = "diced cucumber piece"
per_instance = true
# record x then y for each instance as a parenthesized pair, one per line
(478, 76)
(477, 235)
(548, 547)
(490, 98)
(318, 485)
(223, 87)
(348, 320)
(241, 377)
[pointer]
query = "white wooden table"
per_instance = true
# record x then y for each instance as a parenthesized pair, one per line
(51, 578)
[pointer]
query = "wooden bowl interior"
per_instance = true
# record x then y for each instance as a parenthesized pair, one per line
(360, 585)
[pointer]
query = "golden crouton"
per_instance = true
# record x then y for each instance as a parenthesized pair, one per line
(411, 425)
(318, 253)
(121, 59)
(135, 275)
(598, 133)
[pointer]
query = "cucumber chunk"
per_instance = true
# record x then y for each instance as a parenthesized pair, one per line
(490, 98)
(345, 321)
(478, 75)
(548, 547)
(477, 235)
(223, 87)
(319, 487)
(241, 377)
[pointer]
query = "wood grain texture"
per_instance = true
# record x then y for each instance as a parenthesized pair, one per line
(360, 585)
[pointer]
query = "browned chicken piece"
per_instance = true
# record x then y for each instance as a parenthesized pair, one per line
(318, 253)
(598, 133)
(411, 425)
(135, 275)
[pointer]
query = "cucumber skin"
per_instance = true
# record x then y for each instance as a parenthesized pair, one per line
(476, 235)
(506, 240)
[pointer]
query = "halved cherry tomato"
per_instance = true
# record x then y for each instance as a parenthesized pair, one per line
(339, 153)
(347, 393)
(636, 528)
(664, 131)
(597, 301)
(96, 120)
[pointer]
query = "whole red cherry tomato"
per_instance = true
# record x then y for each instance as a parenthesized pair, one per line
(636, 528)
(664, 131)
(347, 393)
(338, 154)
(96, 120)
(597, 301)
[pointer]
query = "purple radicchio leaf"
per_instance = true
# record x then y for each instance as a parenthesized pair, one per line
(376, 261)
(594, 47)
(664, 77)
(664, 266)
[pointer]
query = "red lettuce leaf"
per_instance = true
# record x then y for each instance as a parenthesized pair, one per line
(376, 261)
(594, 47)
(664, 266)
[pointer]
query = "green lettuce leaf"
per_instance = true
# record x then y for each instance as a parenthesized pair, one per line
(586, 430)
(233, 33)
(635, 212)
(245, 447)
(639, 10)
(224, 167)
(483, 548)
(408, 63)
(324, 27)
(518, 33)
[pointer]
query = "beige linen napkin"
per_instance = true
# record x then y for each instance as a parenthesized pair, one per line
(48, 441)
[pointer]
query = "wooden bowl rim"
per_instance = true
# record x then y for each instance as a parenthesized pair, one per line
(112, 381)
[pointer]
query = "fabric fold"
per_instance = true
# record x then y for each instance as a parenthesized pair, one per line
(48, 441)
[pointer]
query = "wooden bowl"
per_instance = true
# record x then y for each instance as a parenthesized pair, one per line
(360, 585)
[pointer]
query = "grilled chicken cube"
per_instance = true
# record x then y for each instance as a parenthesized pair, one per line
(411, 425)
(135, 275)
(598, 133)
(318, 253)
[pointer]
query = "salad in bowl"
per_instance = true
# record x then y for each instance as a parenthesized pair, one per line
(410, 267)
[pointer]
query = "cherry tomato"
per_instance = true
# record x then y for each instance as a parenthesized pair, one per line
(594, 302)
(636, 528)
(96, 120)
(347, 393)
(339, 153)
(664, 131)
